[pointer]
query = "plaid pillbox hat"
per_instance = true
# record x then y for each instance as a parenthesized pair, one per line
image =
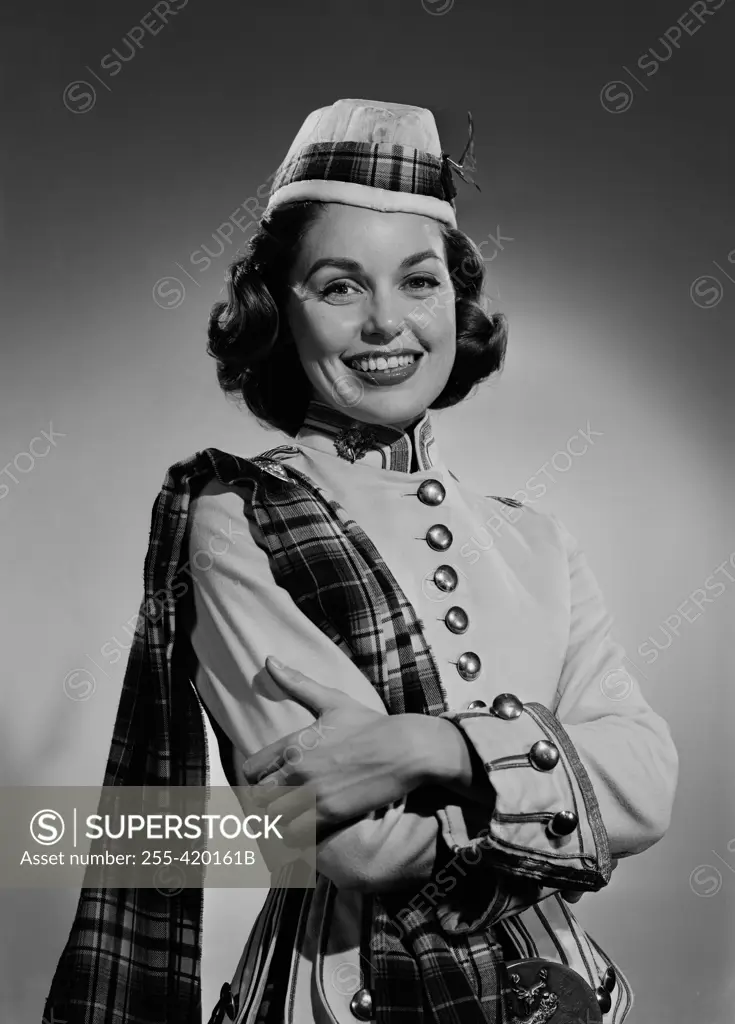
(384, 156)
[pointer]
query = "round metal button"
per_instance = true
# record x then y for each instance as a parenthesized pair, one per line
(431, 492)
(361, 1004)
(507, 706)
(469, 665)
(457, 619)
(446, 578)
(563, 823)
(603, 1000)
(544, 755)
(439, 537)
(609, 979)
(476, 704)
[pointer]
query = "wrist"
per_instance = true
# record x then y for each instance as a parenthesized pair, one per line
(439, 754)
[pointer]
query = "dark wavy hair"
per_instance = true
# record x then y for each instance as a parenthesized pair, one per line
(250, 339)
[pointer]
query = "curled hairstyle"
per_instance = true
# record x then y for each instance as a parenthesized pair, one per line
(250, 340)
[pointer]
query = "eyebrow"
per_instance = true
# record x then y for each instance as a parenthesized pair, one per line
(354, 267)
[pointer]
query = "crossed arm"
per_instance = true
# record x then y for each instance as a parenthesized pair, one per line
(458, 782)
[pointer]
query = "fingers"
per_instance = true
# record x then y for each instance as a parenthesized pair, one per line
(293, 812)
(289, 803)
(304, 689)
(308, 692)
(270, 759)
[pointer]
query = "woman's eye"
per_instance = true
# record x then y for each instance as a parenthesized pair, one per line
(342, 291)
(339, 290)
(422, 281)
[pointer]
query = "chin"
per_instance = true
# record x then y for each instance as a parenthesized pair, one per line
(390, 410)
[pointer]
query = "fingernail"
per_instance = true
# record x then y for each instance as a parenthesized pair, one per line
(275, 662)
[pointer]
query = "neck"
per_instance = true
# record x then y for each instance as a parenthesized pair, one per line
(320, 407)
(407, 425)
(392, 444)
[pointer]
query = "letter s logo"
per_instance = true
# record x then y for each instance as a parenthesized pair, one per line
(616, 97)
(47, 827)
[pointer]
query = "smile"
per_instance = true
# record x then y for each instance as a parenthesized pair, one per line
(385, 371)
(366, 363)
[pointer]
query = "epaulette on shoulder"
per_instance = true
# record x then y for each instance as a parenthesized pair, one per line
(233, 470)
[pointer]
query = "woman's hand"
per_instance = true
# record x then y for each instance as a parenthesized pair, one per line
(350, 762)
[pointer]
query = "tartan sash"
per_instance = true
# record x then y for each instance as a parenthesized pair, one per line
(134, 955)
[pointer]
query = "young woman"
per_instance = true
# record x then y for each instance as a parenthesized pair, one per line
(445, 701)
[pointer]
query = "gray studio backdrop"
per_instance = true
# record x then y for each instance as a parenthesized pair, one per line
(138, 149)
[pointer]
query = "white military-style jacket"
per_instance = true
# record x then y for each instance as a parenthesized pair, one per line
(509, 607)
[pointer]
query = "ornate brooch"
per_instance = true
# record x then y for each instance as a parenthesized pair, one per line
(542, 991)
(353, 442)
(545, 1009)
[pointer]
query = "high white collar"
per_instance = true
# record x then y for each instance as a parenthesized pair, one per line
(330, 430)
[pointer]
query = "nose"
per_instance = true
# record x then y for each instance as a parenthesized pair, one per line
(384, 320)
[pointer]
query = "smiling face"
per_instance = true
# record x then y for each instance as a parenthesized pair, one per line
(371, 310)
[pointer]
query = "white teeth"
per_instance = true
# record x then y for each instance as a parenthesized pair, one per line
(382, 363)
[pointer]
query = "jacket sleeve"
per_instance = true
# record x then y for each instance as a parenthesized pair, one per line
(241, 616)
(574, 786)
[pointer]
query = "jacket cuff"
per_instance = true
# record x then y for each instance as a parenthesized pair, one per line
(546, 823)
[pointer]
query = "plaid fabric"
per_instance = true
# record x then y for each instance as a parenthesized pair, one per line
(134, 955)
(377, 164)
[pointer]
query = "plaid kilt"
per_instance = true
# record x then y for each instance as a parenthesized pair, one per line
(134, 955)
